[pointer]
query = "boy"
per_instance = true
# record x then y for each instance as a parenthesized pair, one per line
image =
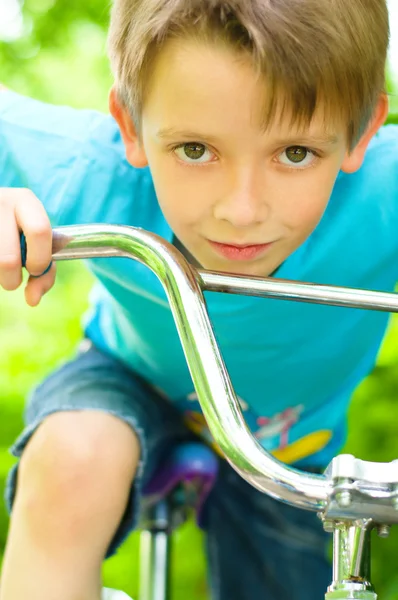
(249, 132)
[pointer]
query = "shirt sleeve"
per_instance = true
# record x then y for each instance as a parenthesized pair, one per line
(70, 158)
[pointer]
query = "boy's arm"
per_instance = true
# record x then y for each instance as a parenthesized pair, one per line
(53, 151)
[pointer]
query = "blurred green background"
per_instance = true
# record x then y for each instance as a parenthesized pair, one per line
(55, 51)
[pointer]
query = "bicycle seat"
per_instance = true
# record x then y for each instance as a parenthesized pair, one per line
(191, 465)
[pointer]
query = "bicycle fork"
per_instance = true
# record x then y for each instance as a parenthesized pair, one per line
(155, 552)
(351, 557)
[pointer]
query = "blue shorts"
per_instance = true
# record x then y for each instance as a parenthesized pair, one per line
(257, 547)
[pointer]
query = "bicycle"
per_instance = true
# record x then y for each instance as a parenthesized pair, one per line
(351, 498)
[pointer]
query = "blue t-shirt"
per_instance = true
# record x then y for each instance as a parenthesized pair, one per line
(293, 365)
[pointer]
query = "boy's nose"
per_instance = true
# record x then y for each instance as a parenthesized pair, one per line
(244, 204)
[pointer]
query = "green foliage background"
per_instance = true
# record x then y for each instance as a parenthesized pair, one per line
(61, 59)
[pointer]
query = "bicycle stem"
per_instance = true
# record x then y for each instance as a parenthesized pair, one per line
(351, 561)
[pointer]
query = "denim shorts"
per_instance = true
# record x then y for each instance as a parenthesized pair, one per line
(256, 547)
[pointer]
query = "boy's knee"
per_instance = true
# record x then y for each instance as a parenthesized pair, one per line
(77, 462)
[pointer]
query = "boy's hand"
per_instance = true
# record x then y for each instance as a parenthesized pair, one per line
(20, 210)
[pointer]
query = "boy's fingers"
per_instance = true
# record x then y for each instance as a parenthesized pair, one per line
(35, 224)
(38, 286)
(10, 254)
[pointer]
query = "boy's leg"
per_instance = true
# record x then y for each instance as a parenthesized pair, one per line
(88, 426)
(73, 484)
(260, 548)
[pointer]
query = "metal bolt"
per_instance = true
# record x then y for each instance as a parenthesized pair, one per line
(344, 499)
(328, 526)
(395, 498)
(383, 531)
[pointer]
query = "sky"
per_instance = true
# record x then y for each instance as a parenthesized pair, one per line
(11, 27)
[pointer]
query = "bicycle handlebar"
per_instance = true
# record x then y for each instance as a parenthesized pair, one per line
(183, 285)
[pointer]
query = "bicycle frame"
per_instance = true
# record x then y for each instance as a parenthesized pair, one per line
(353, 496)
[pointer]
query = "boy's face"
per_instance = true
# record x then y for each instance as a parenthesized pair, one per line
(240, 199)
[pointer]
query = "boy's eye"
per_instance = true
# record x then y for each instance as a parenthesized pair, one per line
(297, 155)
(193, 151)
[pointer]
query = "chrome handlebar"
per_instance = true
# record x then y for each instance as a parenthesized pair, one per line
(348, 489)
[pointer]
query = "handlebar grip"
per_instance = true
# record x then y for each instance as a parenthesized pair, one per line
(24, 253)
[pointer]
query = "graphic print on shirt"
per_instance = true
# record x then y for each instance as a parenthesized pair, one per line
(272, 432)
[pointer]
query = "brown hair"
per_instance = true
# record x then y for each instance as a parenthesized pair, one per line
(308, 51)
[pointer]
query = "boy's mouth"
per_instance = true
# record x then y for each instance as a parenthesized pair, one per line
(239, 252)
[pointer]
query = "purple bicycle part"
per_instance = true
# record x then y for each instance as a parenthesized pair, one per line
(187, 463)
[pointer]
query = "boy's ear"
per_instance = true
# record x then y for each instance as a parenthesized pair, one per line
(135, 152)
(353, 160)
